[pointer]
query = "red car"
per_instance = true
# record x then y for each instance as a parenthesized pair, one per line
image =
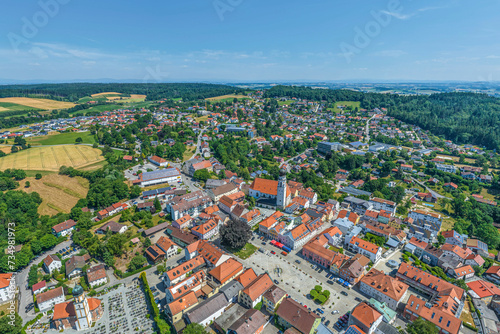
(273, 252)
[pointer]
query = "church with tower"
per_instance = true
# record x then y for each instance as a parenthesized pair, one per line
(79, 313)
(271, 194)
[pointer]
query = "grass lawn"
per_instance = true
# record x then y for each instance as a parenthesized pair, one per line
(245, 252)
(202, 118)
(448, 224)
(188, 153)
(62, 138)
(487, 195)
(346, 104)
(156, 219)
(287, 102)
(102, 108)
(466, 316)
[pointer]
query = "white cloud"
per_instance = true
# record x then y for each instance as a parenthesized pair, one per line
(401, 16)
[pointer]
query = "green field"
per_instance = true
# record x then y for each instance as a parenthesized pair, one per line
(102, 108)
(15, 107)
(351, 104)
(287, 102)
(62, 138)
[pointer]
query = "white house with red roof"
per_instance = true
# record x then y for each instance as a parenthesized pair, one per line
(366, 248)
(158, 161)
(64, 228)
(39, 287)
(51, 263)
(7, 287)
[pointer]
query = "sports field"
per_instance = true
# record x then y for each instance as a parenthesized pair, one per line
(50, 158)
(59, 193)
(44, 104)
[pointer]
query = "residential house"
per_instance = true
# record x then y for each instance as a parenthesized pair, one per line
(384, 288)
(112, 226)
(445, 321)
(48, 299)
(7, 287)
(291, 314)
(64, 228)
(75, 265)
(252, 294)
(252, 322)
(189, 204)
(96, 276)
(226, 271)
(370, 250)
(36, 288)
(272, 298)
(213, 307)
(365, 317)
(177, 274)
(51, 263)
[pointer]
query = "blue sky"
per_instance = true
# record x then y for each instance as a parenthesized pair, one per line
(250, 40)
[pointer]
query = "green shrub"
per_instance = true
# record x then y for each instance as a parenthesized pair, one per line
(314, 294)
(321, 299)
(318, 288)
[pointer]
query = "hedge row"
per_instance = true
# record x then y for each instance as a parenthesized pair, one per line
(163, 327)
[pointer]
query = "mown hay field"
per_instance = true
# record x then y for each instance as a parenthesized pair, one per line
(224, 97)
(105, 93)
(59, 193)
(51, 158)
(44, 104)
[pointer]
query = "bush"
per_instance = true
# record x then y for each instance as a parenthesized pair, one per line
(163, 327)
(469, 326)
(318, 288)
(321, 299)
(314, 294)
(326, 293)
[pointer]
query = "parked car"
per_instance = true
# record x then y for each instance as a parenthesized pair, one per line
(344, 293)
(320, 310)
(327, 323)
(273, 252)
(276, 281)
(335, 312)
(297, 261)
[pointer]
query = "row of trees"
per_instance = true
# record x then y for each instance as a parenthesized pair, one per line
(155, 91)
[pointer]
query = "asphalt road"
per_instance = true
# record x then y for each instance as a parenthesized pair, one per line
(25, 295)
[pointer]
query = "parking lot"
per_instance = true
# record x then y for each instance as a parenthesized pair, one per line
(129, 173)
(68, 251)
(299, 278)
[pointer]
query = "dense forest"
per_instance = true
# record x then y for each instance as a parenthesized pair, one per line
(155, 91)
(465, 118)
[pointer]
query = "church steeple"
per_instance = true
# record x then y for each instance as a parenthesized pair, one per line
(281, 198)
(82, 311)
